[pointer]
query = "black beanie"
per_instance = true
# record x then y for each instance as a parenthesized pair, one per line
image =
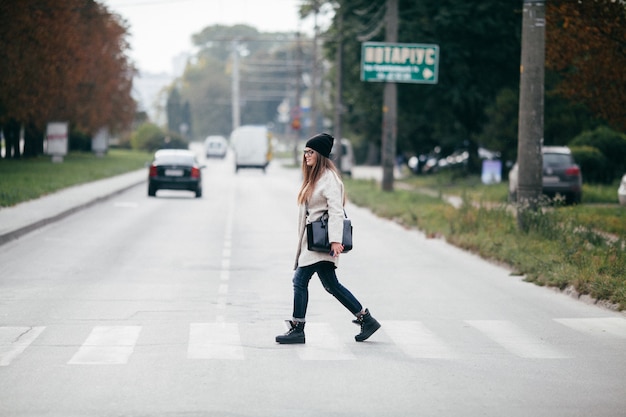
(322, 143)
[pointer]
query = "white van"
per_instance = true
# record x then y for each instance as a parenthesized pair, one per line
(252, 146)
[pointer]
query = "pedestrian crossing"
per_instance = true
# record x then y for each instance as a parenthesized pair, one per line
(215, 341)
(14, 340)
(107, 345)
(220, 340)
(516, 340)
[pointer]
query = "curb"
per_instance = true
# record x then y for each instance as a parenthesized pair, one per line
(71, 208)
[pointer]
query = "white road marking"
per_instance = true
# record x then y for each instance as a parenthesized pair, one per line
(515, 339)
(416, 340)
(107, 345)
(14, 340)
(214, 341)
(225, 264)
(614, 326)
(323, 344)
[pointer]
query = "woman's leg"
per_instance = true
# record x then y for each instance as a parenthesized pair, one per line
(369, 325)
(295, 334)
(301, 279)
(326, 272)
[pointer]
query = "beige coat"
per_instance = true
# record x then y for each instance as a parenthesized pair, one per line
(328, 195)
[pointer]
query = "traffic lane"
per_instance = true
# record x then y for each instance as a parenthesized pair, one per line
(129, 262)
(474, 308)
(134, 261)
(129, 248)
(466, 372)
(131, 245)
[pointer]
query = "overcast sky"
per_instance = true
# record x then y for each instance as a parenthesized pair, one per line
(161, 29)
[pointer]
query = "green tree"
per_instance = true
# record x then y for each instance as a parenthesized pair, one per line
(267, 74)
(500, 130)
(564, 120)
(612, 144)
(178, 113)
(206, 86)
(480, 49)
(207, 81)
(479, 71)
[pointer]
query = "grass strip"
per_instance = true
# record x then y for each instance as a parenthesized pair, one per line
(26, 179)
(567, 247)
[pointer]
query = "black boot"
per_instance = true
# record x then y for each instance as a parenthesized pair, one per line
(294, 335)
(368, 326)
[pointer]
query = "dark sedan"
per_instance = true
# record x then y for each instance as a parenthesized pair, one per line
(175, 169)
(560, 176)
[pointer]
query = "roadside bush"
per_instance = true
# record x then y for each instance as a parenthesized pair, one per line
(149, 137)
(592, 162)
(123, 141)
(612, 144)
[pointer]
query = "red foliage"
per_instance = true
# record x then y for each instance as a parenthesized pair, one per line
(64, 60)
(586, 45)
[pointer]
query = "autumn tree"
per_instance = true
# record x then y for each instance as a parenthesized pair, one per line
(62, 61)
(586, 46)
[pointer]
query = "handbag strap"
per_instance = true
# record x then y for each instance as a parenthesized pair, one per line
(306, 206)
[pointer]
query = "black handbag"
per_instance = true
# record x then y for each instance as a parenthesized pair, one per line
(317, 234)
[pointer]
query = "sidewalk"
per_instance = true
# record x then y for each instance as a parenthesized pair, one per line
(376, 173)
(25, 217)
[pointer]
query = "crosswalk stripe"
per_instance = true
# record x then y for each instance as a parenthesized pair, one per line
(222, 340)
(107, 345)
(14, 340)
(416, 340)
(614, 326)
(323, 344)
(515, 339)
(214, 341)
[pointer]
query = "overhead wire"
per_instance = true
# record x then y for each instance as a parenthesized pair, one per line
(374, 25)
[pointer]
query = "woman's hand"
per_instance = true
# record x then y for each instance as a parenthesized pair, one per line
(335, 249)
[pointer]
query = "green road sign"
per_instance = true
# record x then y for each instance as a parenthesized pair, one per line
(399, 62)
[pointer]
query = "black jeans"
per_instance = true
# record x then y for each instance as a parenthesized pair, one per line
(326, 272)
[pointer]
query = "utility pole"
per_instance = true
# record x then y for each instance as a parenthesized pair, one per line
(235, 86)
(390, 102)
(337, 132)
(314, 76)
(296, 124)
(531, 110)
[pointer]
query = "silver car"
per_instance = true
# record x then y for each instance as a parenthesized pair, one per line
(560, 177)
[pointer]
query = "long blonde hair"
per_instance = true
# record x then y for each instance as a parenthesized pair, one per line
(311, 176)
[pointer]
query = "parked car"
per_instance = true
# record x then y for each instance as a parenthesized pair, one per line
(175, 169)
(215, 146)
(347, 156)
(621, 191)
(560, 176)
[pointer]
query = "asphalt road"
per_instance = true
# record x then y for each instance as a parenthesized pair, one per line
(169, 306)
